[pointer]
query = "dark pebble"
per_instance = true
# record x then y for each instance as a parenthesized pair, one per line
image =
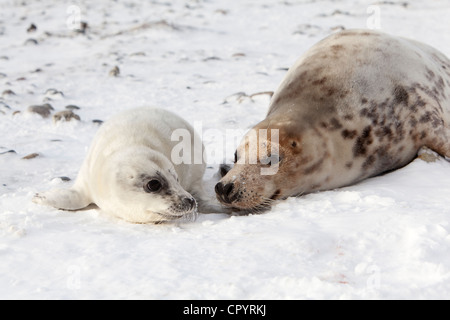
(9, 151)
(72, 107)
(65, 115)
(32, 28)
(114, 72)
(31, 156)
(31, 42)
(43, 110)
(8, 92)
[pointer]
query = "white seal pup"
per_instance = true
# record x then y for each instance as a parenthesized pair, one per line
(357, 104)
(128, 171)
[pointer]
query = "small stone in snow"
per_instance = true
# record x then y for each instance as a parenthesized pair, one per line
(31, 156)
(72, 107)
(43, 110)
(9, 151)
(8, 92)
(53, 93)
(65, 115)
(30, 42)
(114, 71)
(32, 28)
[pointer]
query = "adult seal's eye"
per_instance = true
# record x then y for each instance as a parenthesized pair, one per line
(153, 185)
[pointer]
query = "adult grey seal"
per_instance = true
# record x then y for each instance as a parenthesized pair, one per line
(357, 104)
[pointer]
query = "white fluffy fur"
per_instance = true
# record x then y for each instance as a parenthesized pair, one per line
(127, 149)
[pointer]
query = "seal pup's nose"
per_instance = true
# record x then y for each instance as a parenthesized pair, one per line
(189, 203)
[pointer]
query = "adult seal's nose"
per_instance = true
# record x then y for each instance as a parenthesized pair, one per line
(224, 191)
(219, 188)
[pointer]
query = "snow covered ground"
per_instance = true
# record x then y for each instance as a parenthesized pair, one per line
(385, 238)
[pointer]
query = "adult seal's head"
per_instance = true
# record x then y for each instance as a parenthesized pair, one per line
(357, 104)
(271, 163)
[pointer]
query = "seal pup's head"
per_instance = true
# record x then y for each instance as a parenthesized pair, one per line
(141, 185)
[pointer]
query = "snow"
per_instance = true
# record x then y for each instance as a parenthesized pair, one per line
(385, 238)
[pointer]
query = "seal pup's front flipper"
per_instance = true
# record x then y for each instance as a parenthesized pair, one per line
(66, 199)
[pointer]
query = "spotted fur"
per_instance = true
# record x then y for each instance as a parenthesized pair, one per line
(357, 104)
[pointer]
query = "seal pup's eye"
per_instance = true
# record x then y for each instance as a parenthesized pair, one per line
(153, 185)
